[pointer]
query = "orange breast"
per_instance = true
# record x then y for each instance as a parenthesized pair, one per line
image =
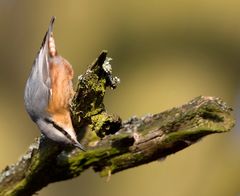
(61, 74)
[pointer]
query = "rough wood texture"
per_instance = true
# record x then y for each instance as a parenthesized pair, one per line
(122, 145)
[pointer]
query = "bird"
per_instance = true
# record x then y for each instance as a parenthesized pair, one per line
(49, 91)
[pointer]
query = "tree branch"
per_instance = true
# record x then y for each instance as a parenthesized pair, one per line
(112, 145)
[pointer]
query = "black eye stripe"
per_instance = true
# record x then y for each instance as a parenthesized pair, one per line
(60, 129)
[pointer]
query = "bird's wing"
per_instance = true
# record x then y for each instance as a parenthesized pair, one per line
(38, 87)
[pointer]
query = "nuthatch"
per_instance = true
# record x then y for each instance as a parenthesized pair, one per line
(48, 93)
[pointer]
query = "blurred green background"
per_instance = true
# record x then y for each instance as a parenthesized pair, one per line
(165, 52)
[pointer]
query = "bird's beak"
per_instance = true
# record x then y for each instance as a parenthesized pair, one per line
(78, 145)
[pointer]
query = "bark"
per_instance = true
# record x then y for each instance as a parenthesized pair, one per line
(112, 145)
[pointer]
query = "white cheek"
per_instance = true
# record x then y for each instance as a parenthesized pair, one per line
(51, 132)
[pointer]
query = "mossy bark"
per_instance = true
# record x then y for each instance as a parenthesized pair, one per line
(112, 145)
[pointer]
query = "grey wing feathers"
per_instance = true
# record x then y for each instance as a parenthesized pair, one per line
(37, 90)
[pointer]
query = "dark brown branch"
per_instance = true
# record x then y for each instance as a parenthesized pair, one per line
(123, 145)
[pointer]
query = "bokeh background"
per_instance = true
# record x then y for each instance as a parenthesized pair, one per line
(165, 52)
